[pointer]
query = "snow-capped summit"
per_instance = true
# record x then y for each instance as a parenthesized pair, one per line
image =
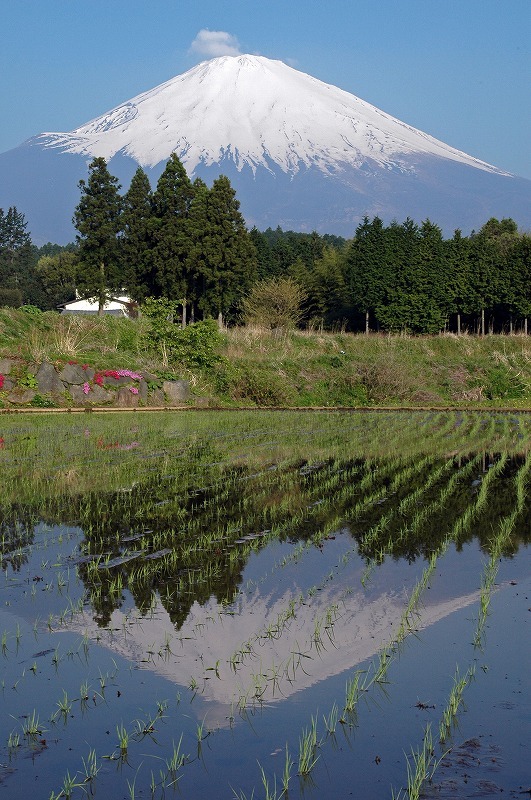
(300, 153)
(257, 113)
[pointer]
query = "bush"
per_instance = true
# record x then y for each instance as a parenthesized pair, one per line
(504, 383)
(274, 303)
(193, 346)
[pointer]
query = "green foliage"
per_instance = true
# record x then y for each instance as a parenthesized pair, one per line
(10, 298)
(42, 402)
(253, 385)
(98, 219)
(28, 382)
(503, 382)
(274, 303)
(32, 311)
(57, 274)
(196, 345)
(222, 258)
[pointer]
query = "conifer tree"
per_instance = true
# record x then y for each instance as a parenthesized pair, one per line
(136, 242)
(16, 259)
(98, 220)
(171, 206)
(367, 268)
(457, 270)
(222, 255)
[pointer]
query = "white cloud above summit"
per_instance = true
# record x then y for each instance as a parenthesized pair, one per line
(215, 43)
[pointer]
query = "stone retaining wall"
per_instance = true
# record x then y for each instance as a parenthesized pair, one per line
(73, 384)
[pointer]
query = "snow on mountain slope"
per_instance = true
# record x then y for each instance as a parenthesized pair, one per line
(255, 112)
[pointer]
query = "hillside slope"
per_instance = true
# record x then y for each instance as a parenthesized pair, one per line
(253, 368)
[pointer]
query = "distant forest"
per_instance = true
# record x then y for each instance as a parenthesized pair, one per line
(187, 242)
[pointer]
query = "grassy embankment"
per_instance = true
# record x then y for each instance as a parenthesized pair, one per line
(292, 369)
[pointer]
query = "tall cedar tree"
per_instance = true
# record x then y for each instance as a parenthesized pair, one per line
(16, 258)
(137, 238)
(222, 255)
(367, 269)
(456, 266)
(171, 207)
(98, 220)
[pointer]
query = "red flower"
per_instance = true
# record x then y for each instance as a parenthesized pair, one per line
(2, 378)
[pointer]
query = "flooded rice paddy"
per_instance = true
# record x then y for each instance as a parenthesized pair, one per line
(265, 605)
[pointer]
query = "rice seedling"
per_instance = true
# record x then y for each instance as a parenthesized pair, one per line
(307, 748)
(64, 708)
(90, 766)
(69, 784)
(421, 766)
(331, 720)
(354, 688)
(31, 726)
(176, 761)
(123, 738)
(455, 700)
(13, 741)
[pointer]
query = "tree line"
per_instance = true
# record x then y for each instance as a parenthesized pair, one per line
(188, 243)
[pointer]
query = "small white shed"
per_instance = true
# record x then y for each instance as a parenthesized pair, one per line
(121, 306)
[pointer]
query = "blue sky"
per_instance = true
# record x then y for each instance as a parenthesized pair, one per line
(457, 69)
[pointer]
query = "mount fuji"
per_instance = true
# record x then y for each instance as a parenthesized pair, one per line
(300, 153)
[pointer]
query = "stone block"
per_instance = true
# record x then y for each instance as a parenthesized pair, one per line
(143, 392)
(96, 397)
(48, 380)
(125, 398)
(157, 398)
(5, 365)
(21, 396)
(74, 374)
(176, 392)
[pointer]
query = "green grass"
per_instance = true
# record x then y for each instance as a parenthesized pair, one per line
(261, 368)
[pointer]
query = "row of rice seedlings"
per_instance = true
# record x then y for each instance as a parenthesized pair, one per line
(425, 768)
(505, 530)
(380, 473)
(337, 420)
(455, 700)
(413, 603)
(421, 766)
(357, 686)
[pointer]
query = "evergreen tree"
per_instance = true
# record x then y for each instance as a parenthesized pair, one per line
(367, 268)
(98, 220)
(520, 279)
(264, 256)
(172, 200)
(137, 238)
(57, 274)
(222, 255)
(457, 268)
(484, 279)
(17, 260)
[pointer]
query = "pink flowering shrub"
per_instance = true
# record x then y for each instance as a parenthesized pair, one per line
(86, 387)
(126, 373)
(133, 390)
(116, 373)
